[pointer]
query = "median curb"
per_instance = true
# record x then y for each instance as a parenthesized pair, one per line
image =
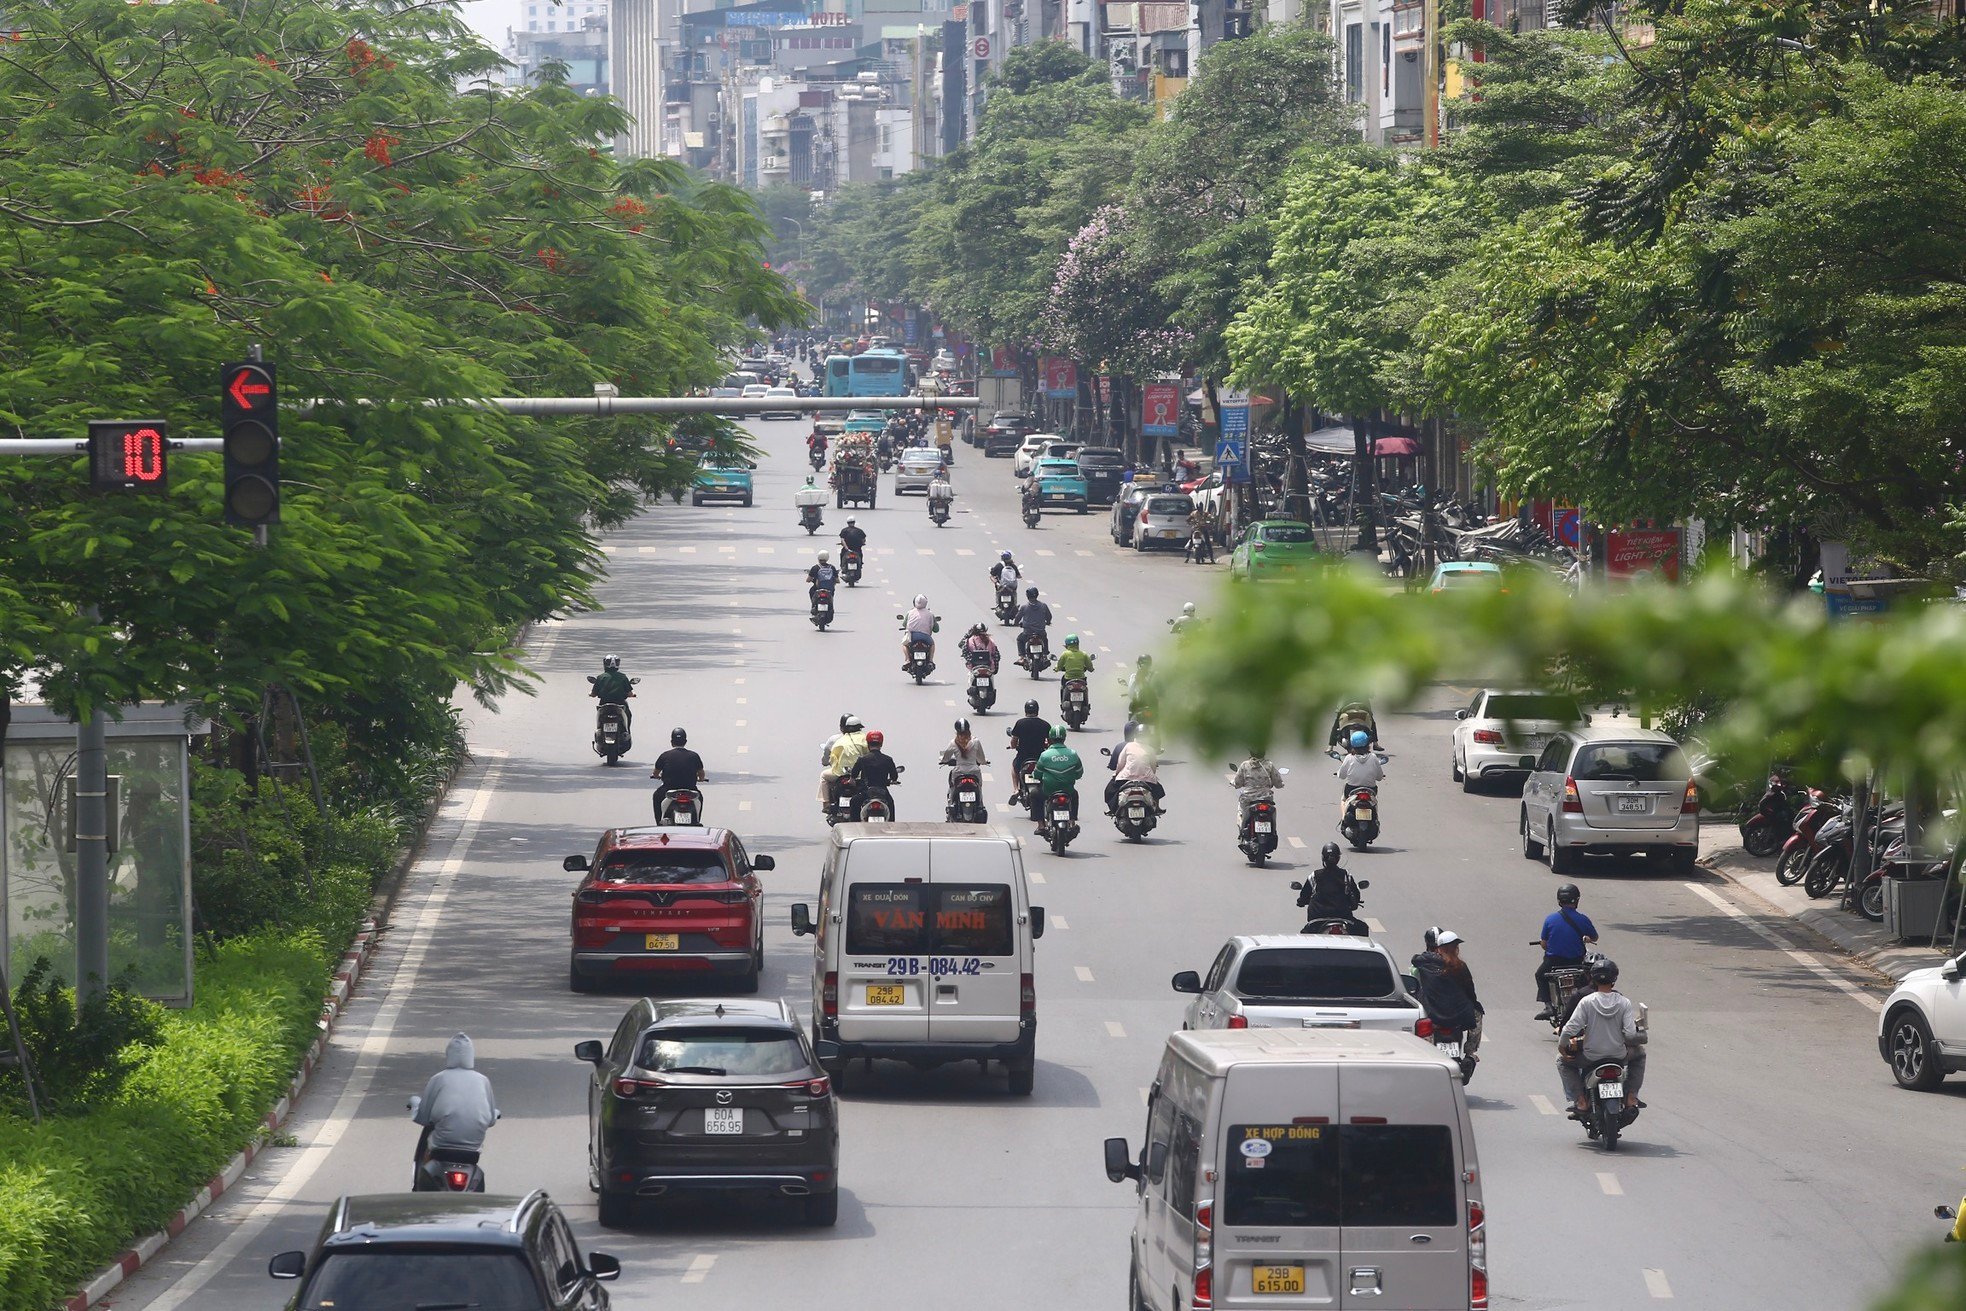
(347, 974)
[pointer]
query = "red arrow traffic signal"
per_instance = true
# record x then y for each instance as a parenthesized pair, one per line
(248, 381)
(250, 428)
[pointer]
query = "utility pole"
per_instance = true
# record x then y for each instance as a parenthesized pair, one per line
(91, 851)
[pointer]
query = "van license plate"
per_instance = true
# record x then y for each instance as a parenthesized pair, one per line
(659, 942)
(1276, 1279)
(723, 1119)
(1634, 805)
(1610, 1090)
(886, 994)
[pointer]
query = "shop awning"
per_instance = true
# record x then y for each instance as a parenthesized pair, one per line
(1331, 441)
(1395, 446)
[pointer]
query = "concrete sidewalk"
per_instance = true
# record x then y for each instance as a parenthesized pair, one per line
(1720, 851)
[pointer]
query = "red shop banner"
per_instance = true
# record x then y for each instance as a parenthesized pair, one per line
(1638, 552)
(1061, 377)
(1160, 409)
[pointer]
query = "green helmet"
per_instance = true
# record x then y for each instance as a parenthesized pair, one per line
(1071, 639)
(1057, 732)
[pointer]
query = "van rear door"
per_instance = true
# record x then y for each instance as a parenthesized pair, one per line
(1405, 1236)
(1277, 1194)
(974, 951)
(884, 986)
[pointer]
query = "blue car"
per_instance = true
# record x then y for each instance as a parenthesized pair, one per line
(722, 479)
(1061, 483)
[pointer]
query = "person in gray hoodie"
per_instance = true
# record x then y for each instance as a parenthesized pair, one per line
(457, 1109)
(1603, 1027)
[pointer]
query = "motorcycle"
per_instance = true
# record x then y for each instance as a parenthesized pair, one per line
(965, 804)
(682, 807)
(850, 567)
(982, 688)
(1027, 788)
(446, 1169)
(1801, 844)
(1345, 924)
(1764, 825)
(809, 519)
(1037, 655)
(1031, 514)
(840, 797)
(877, 807)
(1830, 864)
(1359, 822)
(1451, 1044)
(817, 458)
(920, 665)
(1134, 810)
(612, 740)
(1058, 827)
(938, 513)
(1604, 1090)
(1257, 834)
(1566, 984)
(1006, 603)
(822, 608)
(1074, 702)
(1870, 893)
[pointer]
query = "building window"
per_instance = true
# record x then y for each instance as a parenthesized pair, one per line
(1354, 62)
(1385, 58)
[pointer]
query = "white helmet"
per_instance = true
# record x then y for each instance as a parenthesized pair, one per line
(921, 602)
(824, 556)
(1187, 609)
(849, 521)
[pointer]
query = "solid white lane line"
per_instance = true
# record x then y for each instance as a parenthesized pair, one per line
(422, 932)
(1115, 1029)
(1802, 958)
(1655, 1283)
(1056, 922)
(1085, 975)
(1543, 1105)
(699, 1268)
(1296, 842)
(550, 640)
(1609, 1183)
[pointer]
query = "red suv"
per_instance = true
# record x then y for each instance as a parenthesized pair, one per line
(667, 900)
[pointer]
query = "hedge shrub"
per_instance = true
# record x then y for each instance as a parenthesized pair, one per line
(75, 1190)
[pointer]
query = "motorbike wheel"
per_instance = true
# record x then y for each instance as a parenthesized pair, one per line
(1870, 903)
(1791, 867)
(1608, 1132)
(613, 756)
(1058, 842)
(1760, 837)
(1825, 871)
(1258, 857)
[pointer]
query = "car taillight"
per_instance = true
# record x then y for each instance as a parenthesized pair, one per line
(1477, 1257)
(1488, 737)
(1238, 1022)
(829, 995)
(457, 1179)
(1423, 1028)
(732, 897)
(1572, 803)
(814, 1087)
(1027, 995)
(636, 1087)
(1204, 1294)
(1690, 803)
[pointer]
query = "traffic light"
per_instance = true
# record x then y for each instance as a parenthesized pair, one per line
(250, 429)
(128, 455)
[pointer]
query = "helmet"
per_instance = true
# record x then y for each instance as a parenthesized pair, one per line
(1360, 739)
(1031, 707)
(851, 724)
(1445, 937)
(843, 719)
(1057, 732)
(875, 738)
(1071, 639)
(1004, 556)
(808, 480)
(849, 521)
(824, 556)
(610, 662)
(1604, 971)
(921, 601)
(1330, 854)
(1568, 895)
(1030, 593)
(1187, 608)
(1132, 731)
(678, 738)
(1146, 660)
(962, 727)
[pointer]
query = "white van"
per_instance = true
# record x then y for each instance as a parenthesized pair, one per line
(1295, 1168)
(923, 949)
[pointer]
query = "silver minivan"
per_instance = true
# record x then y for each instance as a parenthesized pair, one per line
(1305, 1168)
(924, 949)
(1611, 790)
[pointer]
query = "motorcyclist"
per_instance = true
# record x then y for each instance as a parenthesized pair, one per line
(980, 650)
(1059, 770)
(853, 537)
(1257, 779)
(1360, 768)
(1186, 619)
(1140, 689)
(1331, 892)
(964, 752)
(1033, 618)
(873, 775)
(940, 493)
(1351, 717)
(1603, 1027)
(457, 1108)
(678, 768)
(809, 499)
(1073, 662)
(1135, 762)
(613, 688)
(845, 751)
(1030, 496)
(1567, 932)
(821, 575)
(1004, 572)
(920, 623)
(1027, 739)
(1447, 990)
(816, 443)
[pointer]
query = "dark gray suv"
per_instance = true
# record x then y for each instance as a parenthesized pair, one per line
(710, 1095)
(450, 1250)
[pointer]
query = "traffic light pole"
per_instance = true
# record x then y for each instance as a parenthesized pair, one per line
(91, 851)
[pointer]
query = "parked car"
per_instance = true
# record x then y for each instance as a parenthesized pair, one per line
(447, 1249)
(722, 478)
(1040, 446)
(1459, 575)
(666, 900)
(1272, 548)
(1499, 729)
(787, 394)
(1126, 513)
(1921, 1033)
(1060, 485)
(1162, 520)
(916, 469)
(706, 1095)
(1102, 467)
(1611, 790)
(1300, 981)
(1005, 431)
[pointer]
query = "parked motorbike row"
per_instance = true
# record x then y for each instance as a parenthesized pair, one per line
(1819, 850)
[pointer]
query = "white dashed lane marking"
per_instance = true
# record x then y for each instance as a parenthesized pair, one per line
(1057, 922)
(1542, 1104)
(1114, 1029)
(1609, 1183)
(1374, 925)
(1043, 551)
(1655, 1283)
(1085, 975)
(1035, 876)
(699, 1269)
(1296, 842)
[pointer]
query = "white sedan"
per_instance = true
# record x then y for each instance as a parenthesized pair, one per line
(1041, 446)
(791, 399)
(1499, 727)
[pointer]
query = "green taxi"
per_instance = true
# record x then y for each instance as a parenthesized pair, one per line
(1272, 547)
(1061, 484)
(722, 478)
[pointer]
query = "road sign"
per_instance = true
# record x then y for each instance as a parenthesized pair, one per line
(1232, 458)
(127, 456)
(1233, 417)
(980, 48)
(1566, 526)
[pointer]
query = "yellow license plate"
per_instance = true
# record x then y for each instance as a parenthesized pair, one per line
(886, 994)
(659, 942)
(1277, 1279)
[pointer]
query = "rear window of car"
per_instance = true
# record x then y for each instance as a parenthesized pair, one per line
(1327, 1175)
(1169, 505)
(919, 460)
(1311, 974)
(697, 1050)
(1645, 762)
(665, 865)
(1470, 578)
(1104, 459)
(877, 364)
(489, 1280)
(1287, 532)
(1562, 709)
(957, 919)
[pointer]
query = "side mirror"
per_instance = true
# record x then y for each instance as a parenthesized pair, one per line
(1105, 751)
(1412, 983)
(1461, 714)
(802, 919)
(1284, 772)
(292, 1265)
(590, 678)
(1587, 717)
(826, 1051)
(1296, 887)
(1363, 884)
(574, 864)
(1950, 971)
(603, 1267)
(1119, 1164)
(1187, 981)
(633, 681)
(764, 864)
(1037, 922)
(589, 1051)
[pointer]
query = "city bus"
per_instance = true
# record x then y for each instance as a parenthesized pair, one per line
(870, 373)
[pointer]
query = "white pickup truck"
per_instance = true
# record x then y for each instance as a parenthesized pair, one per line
(1310, 981)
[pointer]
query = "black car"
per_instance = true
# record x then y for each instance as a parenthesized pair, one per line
(710, 1095)
(1102, 467)
(1006, 433)
(1126, 510)
(448, 1249)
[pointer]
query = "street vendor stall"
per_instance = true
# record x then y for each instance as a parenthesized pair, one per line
(855, 476)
